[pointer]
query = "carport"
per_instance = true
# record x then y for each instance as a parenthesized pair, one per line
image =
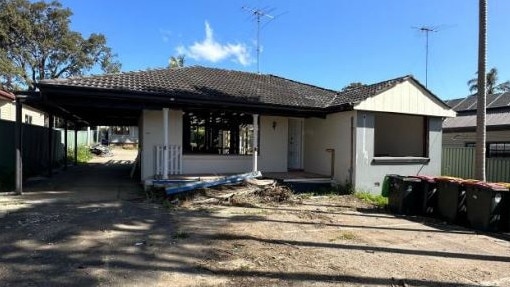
(78, 108)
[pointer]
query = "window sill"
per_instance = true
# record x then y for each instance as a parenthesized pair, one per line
(400, 160)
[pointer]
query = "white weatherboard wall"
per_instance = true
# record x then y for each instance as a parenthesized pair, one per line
(152, 135)
(407, 98)
(334, 132)
(369, 176)
(8, 112)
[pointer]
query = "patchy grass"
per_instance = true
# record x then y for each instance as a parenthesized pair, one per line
(377, 200)
(344, 235)
(84, 154)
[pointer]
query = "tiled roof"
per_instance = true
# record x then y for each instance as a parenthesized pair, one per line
(361, 93)
(5, 95)
(208, 83)
(500, 100)
(219, 84)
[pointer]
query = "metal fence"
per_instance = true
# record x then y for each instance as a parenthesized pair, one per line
(35, 151)
(460, 162)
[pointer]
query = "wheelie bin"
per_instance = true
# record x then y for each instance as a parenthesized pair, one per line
(428, 190)
(487, 206)
(404, 195)
(451, 199)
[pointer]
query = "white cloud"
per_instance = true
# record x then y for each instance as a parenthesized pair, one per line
(210, 50)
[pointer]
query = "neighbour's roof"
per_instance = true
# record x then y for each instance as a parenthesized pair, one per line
(469, 103)
(5, 95)
(468, 120)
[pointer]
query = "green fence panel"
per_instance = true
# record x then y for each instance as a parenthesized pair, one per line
(35, 150)
(460, 162)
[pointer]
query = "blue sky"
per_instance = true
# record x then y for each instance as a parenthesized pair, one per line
(328, 43)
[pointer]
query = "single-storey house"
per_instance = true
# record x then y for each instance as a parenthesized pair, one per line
(8, 110)
(199, 120)
(461, 131)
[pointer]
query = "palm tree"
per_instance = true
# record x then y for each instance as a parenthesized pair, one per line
(481, 87)
(176, 62)
(492, 83)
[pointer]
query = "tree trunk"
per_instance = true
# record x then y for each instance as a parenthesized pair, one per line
(480, 111)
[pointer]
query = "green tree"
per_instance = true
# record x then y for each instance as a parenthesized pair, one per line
(36, 43)
(492, 84)
(176, 62)
(352, 86)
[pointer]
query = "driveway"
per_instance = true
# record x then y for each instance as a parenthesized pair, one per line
(91, 226)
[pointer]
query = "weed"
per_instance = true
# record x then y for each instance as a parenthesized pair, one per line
(344, 235)
(84, 154)
(377, 200)
(180, 235)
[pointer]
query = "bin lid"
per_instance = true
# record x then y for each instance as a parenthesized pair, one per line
(412, 179)
(488, 185)
(449, 179)
(505, 184)
(425, 177)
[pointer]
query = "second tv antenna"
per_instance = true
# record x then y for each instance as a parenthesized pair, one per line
(260, 15)
(427, 30)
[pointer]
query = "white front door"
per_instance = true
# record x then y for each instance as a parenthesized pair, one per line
(294, 159)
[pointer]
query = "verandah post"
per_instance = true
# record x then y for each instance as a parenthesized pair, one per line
(255, 141)
(165, 143)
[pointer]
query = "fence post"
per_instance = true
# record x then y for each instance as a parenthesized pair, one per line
(75, 144)
(19, 145)
(50, 145)
(65, 144)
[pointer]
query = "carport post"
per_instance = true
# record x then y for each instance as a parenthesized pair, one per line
(75, 144)
(255, 141)
(50, 145)
(19, 144)
(65, 144)
(165, 143)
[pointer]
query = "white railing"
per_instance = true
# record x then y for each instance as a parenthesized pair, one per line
(174, 160)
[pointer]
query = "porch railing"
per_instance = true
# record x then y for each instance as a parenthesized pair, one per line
(174, 160)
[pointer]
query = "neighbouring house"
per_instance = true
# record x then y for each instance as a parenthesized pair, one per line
(8, 110)
(118, 135)
(198, 120)
(461, 131)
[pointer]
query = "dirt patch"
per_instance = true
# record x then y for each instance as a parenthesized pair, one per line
(241, 236)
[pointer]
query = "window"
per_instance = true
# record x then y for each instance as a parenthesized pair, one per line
(494, 149)
(120, 131)
(397, 135)
(501, 149)
(217, 133)
(28, 119)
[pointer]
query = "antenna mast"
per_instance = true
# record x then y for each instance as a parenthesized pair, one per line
(258, 14)
(426, 30)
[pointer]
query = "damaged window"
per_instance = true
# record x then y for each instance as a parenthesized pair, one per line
(217, 133)
(398, 135)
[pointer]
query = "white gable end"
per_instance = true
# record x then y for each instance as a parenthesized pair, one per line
(406, 98)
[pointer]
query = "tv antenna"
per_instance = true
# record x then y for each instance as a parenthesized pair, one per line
(427, 30)
(259, 15)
